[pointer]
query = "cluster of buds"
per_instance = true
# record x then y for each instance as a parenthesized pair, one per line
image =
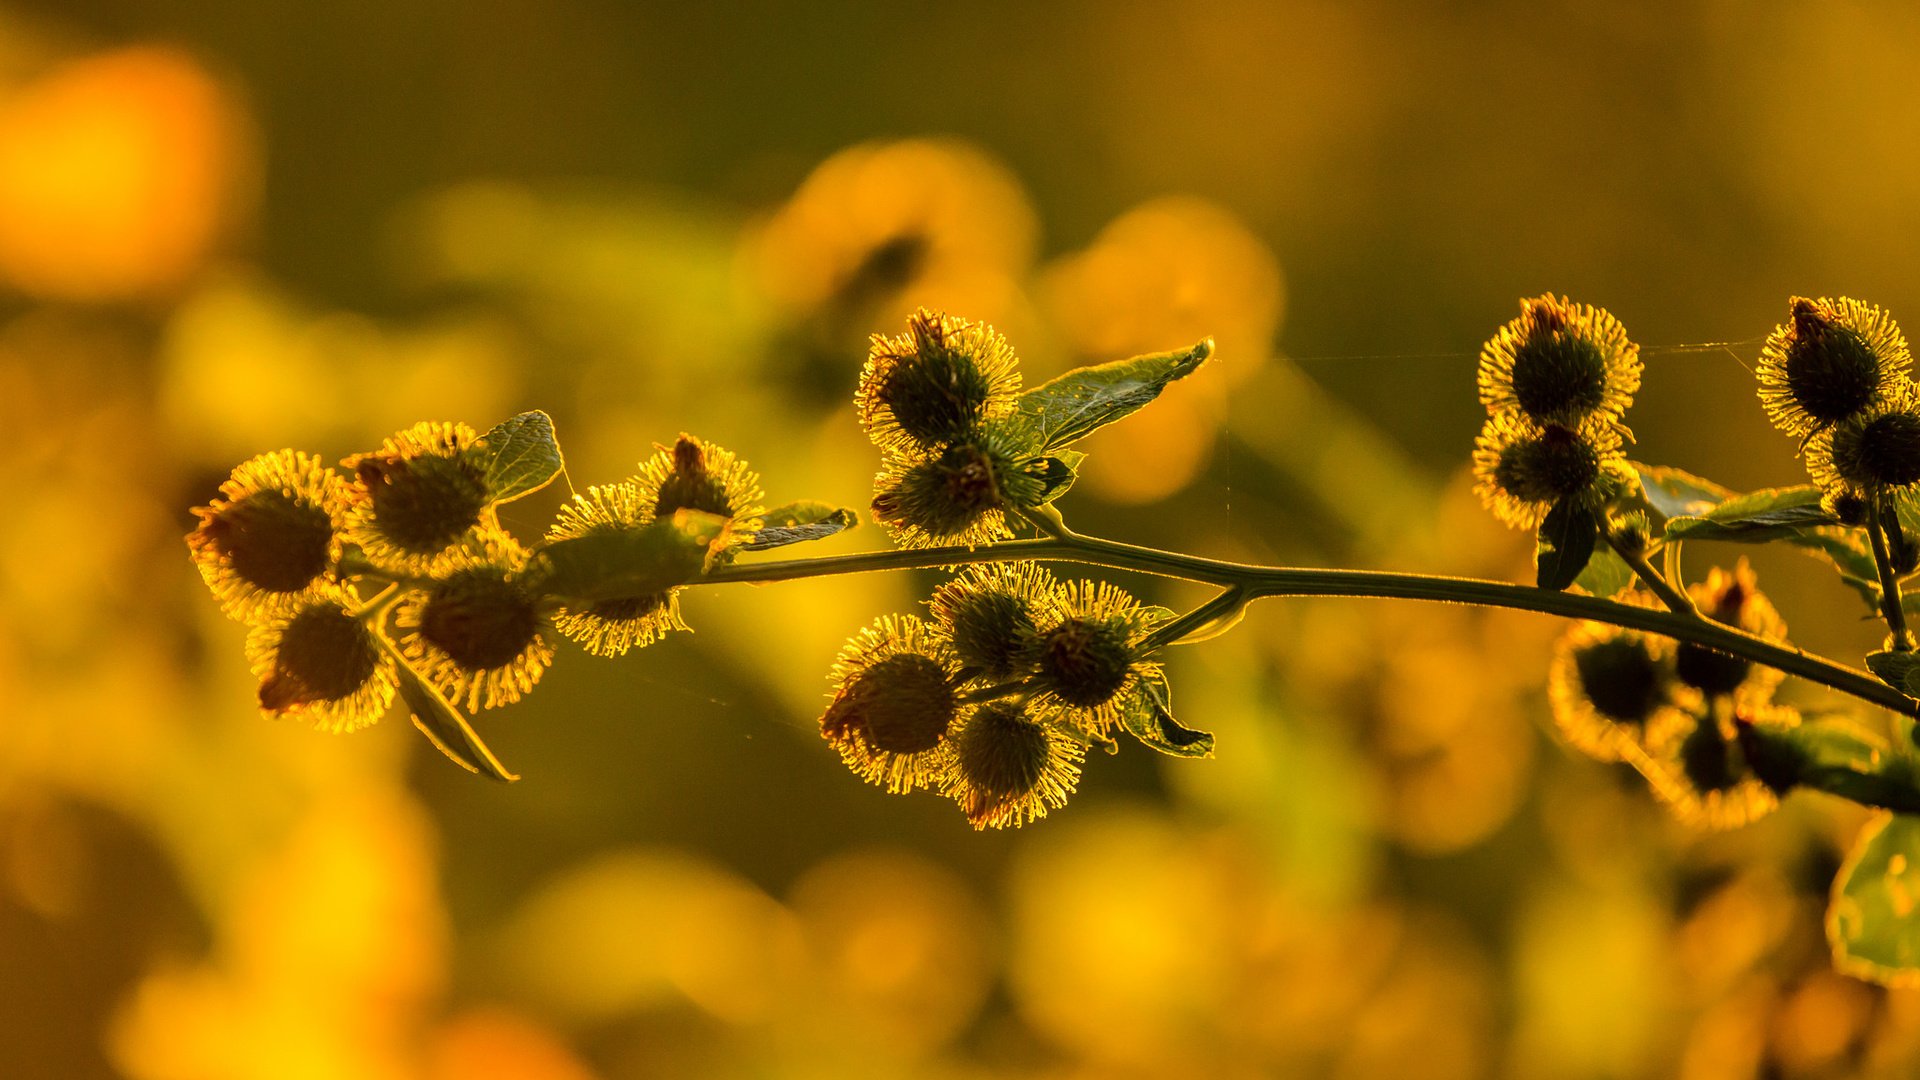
(399, 576)
(1701, 726)
(939, 402)
(1555, 382)
(994, 700)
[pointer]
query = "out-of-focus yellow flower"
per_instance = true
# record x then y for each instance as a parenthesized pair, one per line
(1613, 691)
(119, 173)
(880, 229)
(1172, 270)
(324, 967)
(490, 1043)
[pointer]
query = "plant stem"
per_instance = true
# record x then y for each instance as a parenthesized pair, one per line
(1636, 560)
(1890, 606)
(1227, 607)
(1260, 581)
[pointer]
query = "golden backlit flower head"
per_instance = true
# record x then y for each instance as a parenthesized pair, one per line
(958, 496)
(694, 474)
(1872, 453)
(265, 545)
(1703, 775)
(1732, 597)
(1614, 691)
(420, 497)
(1088, 658)
(1831, 360)
(1560, 363)
(478, 634)
(992, 614)
(935, 384)
(1523, 468)
(894, 701)
(322, 663)
(611, 627)
(1006, 769)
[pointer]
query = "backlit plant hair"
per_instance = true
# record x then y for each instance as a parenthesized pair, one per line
(401, 581)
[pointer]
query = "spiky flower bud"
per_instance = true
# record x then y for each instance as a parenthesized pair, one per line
(992, 612)
(1830, 361)
(694, 474)
(1560, 363)
(1006, 769)
(265, 545)
(1874, 452)
(612, 626)
(1089, 658)
(419, 497)
(936, 384)
(323, 664)
(1523, 469)
(479, 634)
(1614, 691)
(1703, 775)
(1732, 597)
(959, 496)
(894, 700)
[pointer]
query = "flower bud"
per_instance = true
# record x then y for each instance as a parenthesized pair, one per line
(935, 385)
(478, 633)
(1088, 657)
(1006, 769)
(894, 700)
(1560, 363)
(1874, 452)
(419, 497)
(323, 664)
(959, 496)
(990, 614)
(265, 545)
(1523, 469)
(1733, 598)
(1830, 361)
(694, 474)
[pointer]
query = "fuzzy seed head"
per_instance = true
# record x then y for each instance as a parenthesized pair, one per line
(1875, 452)
(1613, 690)
(694, 474)
(478, 633)
(265, 545)
(1560, 363)
(1085, 662)
(894, 701)
(322, 664)
(418, 497)
(990, 613)
(1522, 469)
(1732, 597)
(955, 497)
(1832, 359)
(1008, 769)
(936, 384)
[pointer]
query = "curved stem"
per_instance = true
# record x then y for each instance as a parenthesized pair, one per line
(1890, 606)
(1259, 581)
(1636, 561)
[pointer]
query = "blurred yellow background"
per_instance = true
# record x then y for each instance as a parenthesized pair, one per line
(227, 228)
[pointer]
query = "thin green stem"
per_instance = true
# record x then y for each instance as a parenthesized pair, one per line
(1260, 581)
(1225, 607)
(1636, 560)
(1890, 606)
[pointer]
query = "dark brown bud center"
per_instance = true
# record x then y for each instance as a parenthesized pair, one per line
(1000, 753)
(1559, 376)
(274, 542)
(1885, 453)
(1705, 761)
(900, 705)
(324, 655)
(1084, 662)
(423, 504)
(479, 621)
(1831, 372)
(1621, 678)
(991, 630)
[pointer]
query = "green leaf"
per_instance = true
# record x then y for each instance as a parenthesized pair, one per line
(1757, 517)
(618, 564)
(1871, 921)
(446, 729)
(1679, 494)
(1056, 474)
(1900, 670)
(1564, 545)
(798, 522)
(1084, 400)
(1149, 718)
(1607, 575)
(522, 456)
